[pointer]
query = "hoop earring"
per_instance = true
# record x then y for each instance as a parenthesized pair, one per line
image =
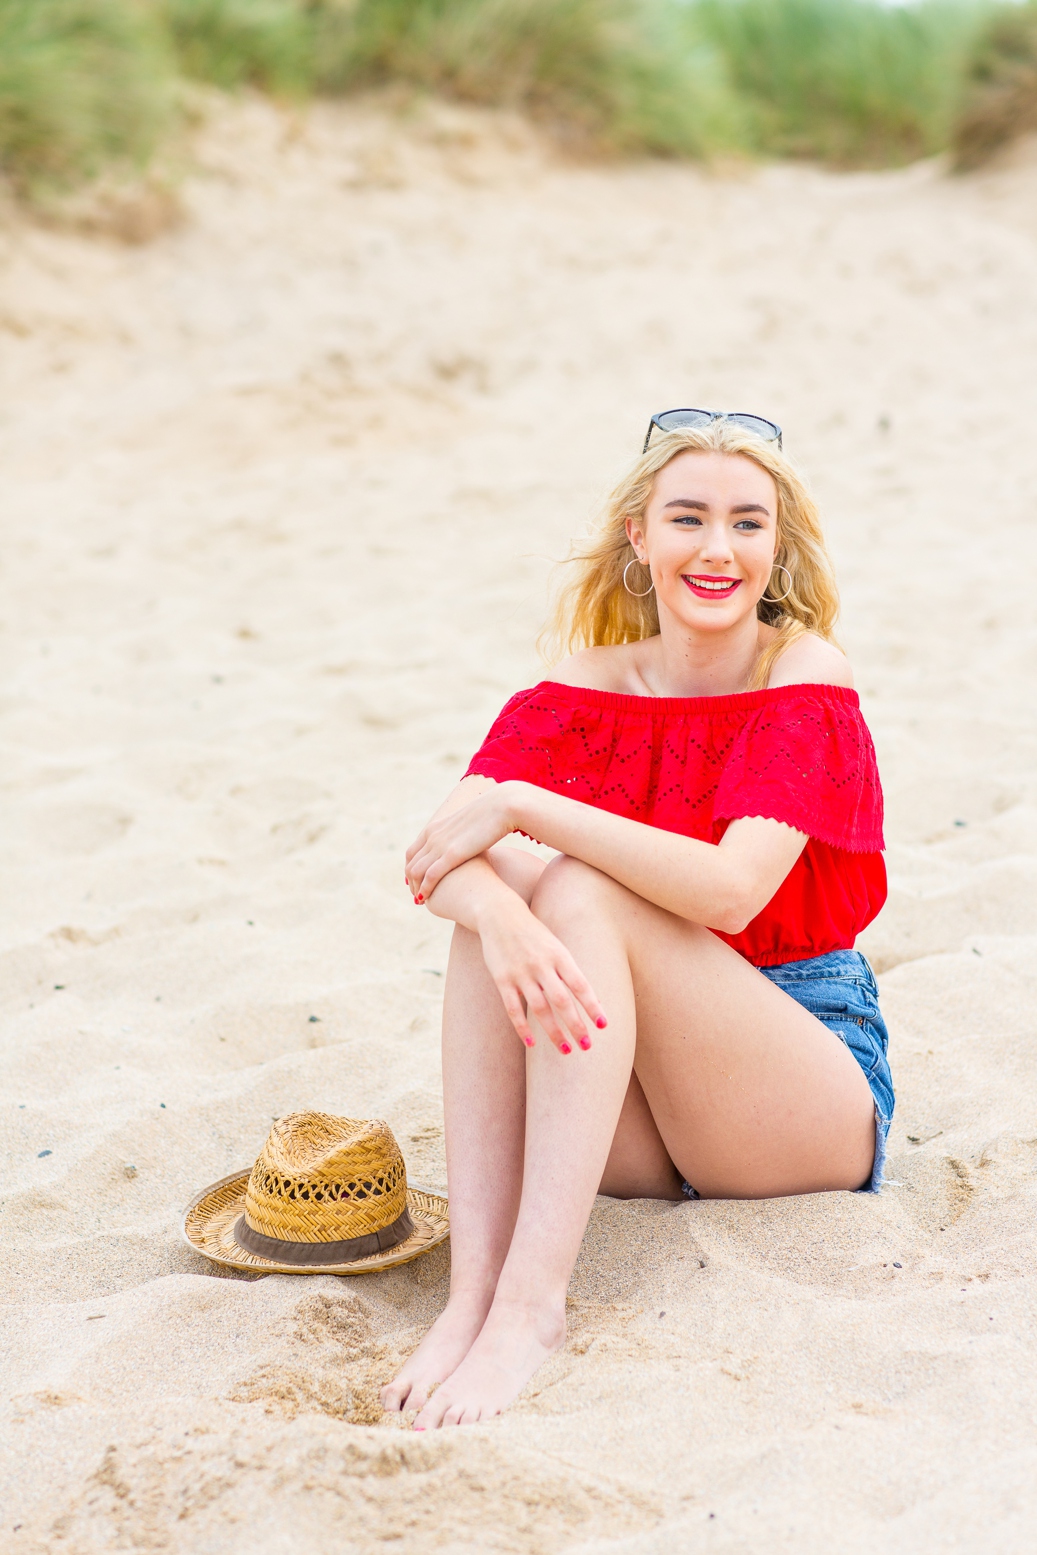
(764, 599)
(633, 594)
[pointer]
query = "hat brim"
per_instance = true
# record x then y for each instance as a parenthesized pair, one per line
(209, 1221)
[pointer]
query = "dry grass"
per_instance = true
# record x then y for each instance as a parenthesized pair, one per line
(1000, 94)
(91, 86)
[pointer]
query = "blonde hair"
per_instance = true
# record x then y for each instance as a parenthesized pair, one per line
(594, 609)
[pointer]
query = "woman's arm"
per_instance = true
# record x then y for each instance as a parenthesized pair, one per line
(535, 974)
(474, 888)
(722, 886)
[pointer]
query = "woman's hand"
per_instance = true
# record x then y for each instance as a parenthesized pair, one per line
(452, 839)
(537, 977)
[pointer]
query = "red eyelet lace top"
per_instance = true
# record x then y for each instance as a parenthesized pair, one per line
(799, 754)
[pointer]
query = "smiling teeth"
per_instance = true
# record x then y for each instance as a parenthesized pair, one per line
(721, 585)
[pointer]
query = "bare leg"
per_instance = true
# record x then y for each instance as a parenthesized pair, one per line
(572, 1111)
(484, 1097)
(639, 1165)
(752, 1097)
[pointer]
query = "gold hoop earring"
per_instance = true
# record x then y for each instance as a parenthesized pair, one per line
(633, 594)
(765, 601)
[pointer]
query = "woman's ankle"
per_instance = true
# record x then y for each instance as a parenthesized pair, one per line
(468, 1297)
(542, 1313)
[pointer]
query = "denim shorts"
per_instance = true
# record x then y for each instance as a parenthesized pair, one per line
(840, 990)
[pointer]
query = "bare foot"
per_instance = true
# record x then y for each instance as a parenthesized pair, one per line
(443, 1348)
(513, 1343)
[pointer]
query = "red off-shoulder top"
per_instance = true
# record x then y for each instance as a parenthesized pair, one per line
(799, 754)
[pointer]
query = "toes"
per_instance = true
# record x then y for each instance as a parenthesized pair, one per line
(430, 1418)
(417, 1398)
(392, 1396)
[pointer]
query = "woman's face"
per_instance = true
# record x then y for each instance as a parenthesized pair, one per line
(709, 537)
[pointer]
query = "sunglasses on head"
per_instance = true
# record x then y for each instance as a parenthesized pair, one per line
(674, 420)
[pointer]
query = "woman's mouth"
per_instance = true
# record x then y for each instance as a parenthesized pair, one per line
(703, 586)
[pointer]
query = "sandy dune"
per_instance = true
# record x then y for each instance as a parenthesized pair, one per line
(282, 490)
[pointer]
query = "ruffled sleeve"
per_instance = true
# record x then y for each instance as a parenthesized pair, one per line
(807, 759)
(518, 743)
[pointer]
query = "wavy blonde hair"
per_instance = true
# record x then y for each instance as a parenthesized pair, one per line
(593, 608)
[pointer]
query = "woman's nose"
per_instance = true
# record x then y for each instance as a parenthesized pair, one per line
(716, 544)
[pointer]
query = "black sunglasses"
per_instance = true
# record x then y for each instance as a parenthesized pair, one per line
(673, 420)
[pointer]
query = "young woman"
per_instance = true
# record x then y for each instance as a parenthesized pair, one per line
(672, 1007)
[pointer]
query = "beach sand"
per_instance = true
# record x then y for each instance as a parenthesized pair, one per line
(283, 489)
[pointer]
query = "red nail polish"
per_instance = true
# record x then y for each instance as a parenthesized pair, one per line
(565, 1048)
(419, 1427)
(528, 1041)
(585, 1043)
(419, 898)
(601, 1023)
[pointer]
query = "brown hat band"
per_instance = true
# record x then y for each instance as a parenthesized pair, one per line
(311, 1253)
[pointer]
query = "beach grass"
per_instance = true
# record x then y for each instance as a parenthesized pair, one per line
(617, 75)
(852, 83)
(999, 98)
(84, 84)
(270, 44)
(849, 83)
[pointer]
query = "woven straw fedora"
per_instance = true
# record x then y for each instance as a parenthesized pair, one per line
(326, 1196)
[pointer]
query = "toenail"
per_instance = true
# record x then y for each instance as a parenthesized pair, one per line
(419, 1427)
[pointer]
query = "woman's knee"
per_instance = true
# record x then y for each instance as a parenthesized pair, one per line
(569, 889)
(518, 869)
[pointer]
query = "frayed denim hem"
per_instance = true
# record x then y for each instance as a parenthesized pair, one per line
(878, 1170)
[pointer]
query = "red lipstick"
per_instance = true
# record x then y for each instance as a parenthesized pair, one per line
(710, 585)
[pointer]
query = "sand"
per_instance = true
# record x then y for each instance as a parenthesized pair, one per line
(283, 488)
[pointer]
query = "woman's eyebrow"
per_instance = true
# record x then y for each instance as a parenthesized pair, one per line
(703, 507)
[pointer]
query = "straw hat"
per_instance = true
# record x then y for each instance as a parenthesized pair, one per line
(326, 1196)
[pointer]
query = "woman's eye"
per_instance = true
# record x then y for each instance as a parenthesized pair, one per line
(748, 523)
(688, 518)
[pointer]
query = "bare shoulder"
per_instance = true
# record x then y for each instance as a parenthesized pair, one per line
(601, 669)
(811, 661)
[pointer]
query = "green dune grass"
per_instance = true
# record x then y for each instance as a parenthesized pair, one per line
(232, 43)
(851, 83)
(83, 84)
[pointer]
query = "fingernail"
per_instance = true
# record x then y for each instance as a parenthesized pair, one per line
(601, 1023)
(528, 1041)
(416, 901)
(419, 898)
(585, 1043)
(566, 1048)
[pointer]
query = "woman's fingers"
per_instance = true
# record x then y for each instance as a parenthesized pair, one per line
(547, 996)
(558, 1012)
(426, 869)
(567, 1011)
(417, 846)
(426, 865)
(539, 1005)
(516, 1012)
(574, 979)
